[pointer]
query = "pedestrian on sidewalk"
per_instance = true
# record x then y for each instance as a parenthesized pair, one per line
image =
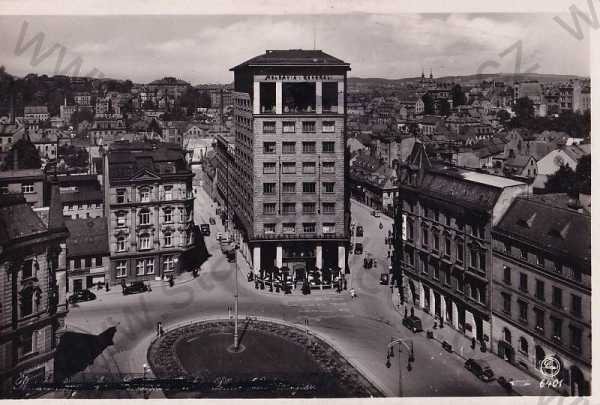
(473, 343)
(158, 328)
(353, 293)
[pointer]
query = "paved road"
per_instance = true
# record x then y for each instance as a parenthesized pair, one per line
(360, 328)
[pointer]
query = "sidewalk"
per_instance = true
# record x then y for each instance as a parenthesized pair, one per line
(523, 383)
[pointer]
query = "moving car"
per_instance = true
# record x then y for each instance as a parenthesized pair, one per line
(480, 368)
(135, 287)
(413, 323)
(205, 229)
(376, 214)
(368, 261)
(359, 231)
(384, 279)
(82, 295)
(358, 248)
(219, 236)
(211, 221)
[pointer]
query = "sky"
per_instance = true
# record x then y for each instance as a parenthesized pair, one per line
(202, 48)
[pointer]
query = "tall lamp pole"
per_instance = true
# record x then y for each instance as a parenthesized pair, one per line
(235, 305)
(390, 353)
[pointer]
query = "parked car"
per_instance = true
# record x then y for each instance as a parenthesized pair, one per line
(82, 295)
(219, 236)
(358, 249)
(135, 287)
(359, 231)
(205, 229)
(376, 214)
(384, 279)
(212, 221)
(480, 368)
(413, 323)
(368, 261)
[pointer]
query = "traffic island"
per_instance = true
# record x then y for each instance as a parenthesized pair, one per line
(277, 361)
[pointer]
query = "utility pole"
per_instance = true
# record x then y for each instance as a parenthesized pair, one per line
(235, 309)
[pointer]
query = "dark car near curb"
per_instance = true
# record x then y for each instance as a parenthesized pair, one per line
(358, 249)
(413, 323)
(134, 288)
(82, 295)
(205, 229)
(359, 231)
(480, 368)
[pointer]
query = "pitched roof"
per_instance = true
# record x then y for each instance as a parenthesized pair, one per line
(292, 57)
(519, 161)
(547, 222)
(17, 219)
(576, 152)
(88, 237)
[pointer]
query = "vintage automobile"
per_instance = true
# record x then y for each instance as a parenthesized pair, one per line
(358, 248)
(82, 295)
(359, 231)
(205, 229)
(480, 368)
(135, 287)
(368, 261)
(413, 323)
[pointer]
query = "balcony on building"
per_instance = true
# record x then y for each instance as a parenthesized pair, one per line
(299, 98)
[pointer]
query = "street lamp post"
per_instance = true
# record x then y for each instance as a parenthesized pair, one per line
(235, 309)
(390, 353)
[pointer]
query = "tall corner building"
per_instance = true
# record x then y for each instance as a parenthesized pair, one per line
(286, 165)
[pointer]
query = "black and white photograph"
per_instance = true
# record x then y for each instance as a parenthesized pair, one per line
(294, 200)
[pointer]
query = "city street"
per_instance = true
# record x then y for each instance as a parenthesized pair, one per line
(359, 328)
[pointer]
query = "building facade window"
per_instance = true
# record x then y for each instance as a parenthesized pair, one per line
(460, 252)
(309, 227)
(308, 126)
(309, 147)
(168, 193)
(576, 305)
(269, 209)
(507, 275)
(329, 208)
(288, 148)
(539, 319)
(328, 167)
(121, 219)
(523, 282)
(328, 147)
(288, 188)
(539, 290)
(168, 238)
(308, 208)
(168, 263)
(328, 228)
(121, 195)
(289, 127)
(27, 188)
(145, 193)
(523, 345)
(522, 311)
(121, 268)
(144, 241)
(557, 297)
(268, 188)
(556, 328)
(328, 187)
(139, 267)
(289, 227)
(308, 187)
(328, 126)
(288, 167)
(269, 168)
(308, 167)
(269, 147)
(268, 127)
(506, 304)
(269, 228)
(289, 208)
(144, 217)
(575, 338)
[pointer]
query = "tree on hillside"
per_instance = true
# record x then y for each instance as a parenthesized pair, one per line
(503, 117)
(444, 107)
(28, 156)
(458, 96)
(154, 127)
(583, 174)
(524, 112)
(563, 181)
(429, 104)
